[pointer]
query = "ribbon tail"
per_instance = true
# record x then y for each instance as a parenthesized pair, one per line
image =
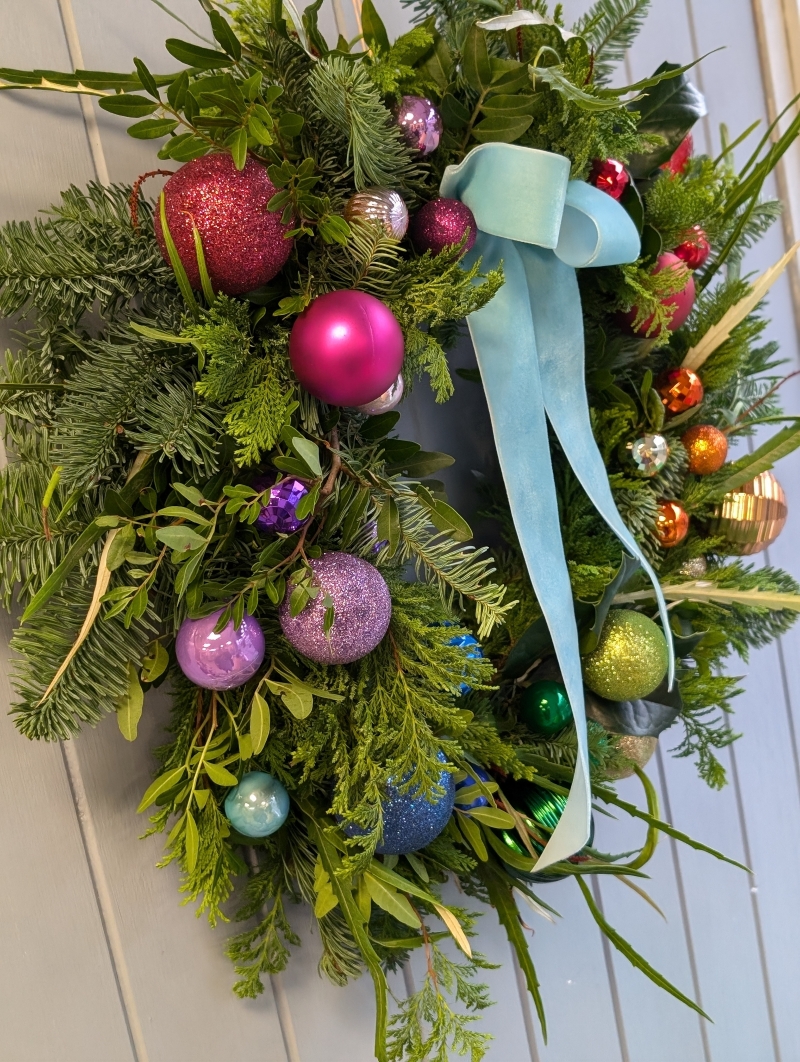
(505, 345)
(558, 323)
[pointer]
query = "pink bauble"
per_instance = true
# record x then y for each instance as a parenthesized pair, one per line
(220, 661)
(681, 302)
(346, 348)
(441, 223)
(244, 244)
(695, 249)
(362, 609)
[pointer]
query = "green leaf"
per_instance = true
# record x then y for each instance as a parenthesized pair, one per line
(378, 427)
(108, 521)
(494, 817)
(224, 35)
(176, 93)
(305, 507)
(155, 663)
(147, 79)
(192, 842)
(388, 525)
(555, 77)
(220, 775)
(299, 702)
(161, 785)
(130, 704)
(454, 114)
(259, 131)
(503, 105)
(374, 30)
(445, 518)
(122, 543)
(54, 582)
(128, 104)
(191, 494)
(259, 723)
(308, 452)
(237, 142)
(180, 512)
(184, 149)
(473, 836)
(152, 128)
(669, 109)
(175, 260)
(202, 268)
(761, 460)
(194, 55)
(475, 65)
(423, 463)
(388, 899)
(180, 538)
(418, 866)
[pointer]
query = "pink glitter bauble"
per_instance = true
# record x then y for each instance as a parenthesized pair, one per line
(681, 302)
(346, 348)
(441, 223)
(362, 609)
(243, 243)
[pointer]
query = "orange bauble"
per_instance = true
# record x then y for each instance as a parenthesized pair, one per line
(680, 389)
(753, 516)
(672, 524)
(706, 448)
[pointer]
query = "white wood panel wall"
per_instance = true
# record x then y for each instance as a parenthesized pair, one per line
(99, 962)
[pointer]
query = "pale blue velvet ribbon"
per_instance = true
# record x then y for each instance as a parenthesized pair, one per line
(530, 348)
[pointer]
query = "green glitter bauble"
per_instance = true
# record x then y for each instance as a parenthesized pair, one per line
(630, 660)
(544, 707)
(541, 810)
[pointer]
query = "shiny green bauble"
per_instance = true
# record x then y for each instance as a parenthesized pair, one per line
(630, 660)
(545, 708)
(542, 811)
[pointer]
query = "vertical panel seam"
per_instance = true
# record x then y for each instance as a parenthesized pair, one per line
(612, 978)
(525, 1005)
(104, 900)
(87, 110)
(699, 73)
(684, 908)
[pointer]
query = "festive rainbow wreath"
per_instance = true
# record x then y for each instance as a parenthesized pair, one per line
(205, 487)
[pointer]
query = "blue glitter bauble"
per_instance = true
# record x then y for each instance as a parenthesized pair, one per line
(466, 641)
(410, 821)
(475, 775)
(258, 806)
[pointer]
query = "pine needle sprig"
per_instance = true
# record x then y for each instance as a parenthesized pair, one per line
(610, 27)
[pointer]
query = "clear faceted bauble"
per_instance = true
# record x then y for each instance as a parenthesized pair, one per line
(379, 204)
(649, 453)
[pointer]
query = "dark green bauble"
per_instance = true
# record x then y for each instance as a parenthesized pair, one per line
(545, 708)
(541, 808)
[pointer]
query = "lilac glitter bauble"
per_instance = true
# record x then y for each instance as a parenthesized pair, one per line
(279, 515)
(387, 401)
(420, 123)
(443, 222)
(244, 244)
(411, 821)
(219, 661)
(362, 610)
(346, 348)
(379, 204)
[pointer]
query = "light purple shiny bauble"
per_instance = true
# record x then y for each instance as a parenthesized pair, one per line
(442, 222)
(219, 661)
(362, 610)
(387, 401)
(420, 122)
(279, 515)
(346, 348)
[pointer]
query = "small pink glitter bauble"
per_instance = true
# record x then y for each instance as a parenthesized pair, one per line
(442, 222)
(362, 610)
(346, 348)
(243, 243)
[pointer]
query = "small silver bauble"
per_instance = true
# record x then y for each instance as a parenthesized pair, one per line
(379, 204)
(649, 453)
(695, 568)
(385, 402)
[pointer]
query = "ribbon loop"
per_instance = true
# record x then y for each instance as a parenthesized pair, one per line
(530, 348)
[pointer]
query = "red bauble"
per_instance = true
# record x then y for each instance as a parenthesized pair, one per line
(695, 249)
(680, 156)
(681, 302)
(442, 222)
(244, 244)
(346, 348)
(609, 176)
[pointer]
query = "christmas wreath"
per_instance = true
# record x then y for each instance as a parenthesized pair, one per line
(205, 485)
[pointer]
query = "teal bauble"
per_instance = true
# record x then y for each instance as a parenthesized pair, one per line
(541, 810)
(258, 806)
(545, 708)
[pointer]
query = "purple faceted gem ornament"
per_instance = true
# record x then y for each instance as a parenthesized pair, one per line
(279, 515)
(362, 608)
(219, 661)
(442, 222)
(420, 123)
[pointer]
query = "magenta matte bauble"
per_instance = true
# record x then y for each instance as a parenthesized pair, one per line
(440, 223)
(362, 609)
(219, 661)
(244, 244)
(680, 303)
(346, 348)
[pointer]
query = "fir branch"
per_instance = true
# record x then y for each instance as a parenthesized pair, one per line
(610, 27)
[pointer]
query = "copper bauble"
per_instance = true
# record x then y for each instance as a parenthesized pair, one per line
(637, 749)
(680, 389)
(752, 517)
(672, 524)
(383, 205)
(706, 448)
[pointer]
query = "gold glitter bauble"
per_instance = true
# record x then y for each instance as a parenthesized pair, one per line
(637, 749)
(630, 659)
(706, 448)
(752, 517)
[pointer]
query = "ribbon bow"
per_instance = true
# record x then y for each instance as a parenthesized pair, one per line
(530, 349)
